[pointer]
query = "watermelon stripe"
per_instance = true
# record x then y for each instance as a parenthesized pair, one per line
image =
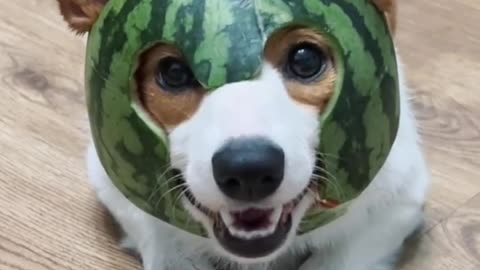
(196, 31)
(156, 25)
(115, 97)
(172, 16)
(212, 50)
(101, 60)
(359, 23)
(352, 148)
(248, 41)
(382, 37)
(390, 107)
(376, 151)
(273, 13)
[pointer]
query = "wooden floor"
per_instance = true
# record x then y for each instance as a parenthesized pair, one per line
(49, 218)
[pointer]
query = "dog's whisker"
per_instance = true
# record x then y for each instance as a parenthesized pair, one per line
(169, 180)
(328, 181)
(159, 186)
(325, 178)
(163, 174)
(165, 171)
(337, 188)
(173, 189)
(316, 195)
(324, 170)
(179, 196)
(162, 184)
(168, 192)
(328, 156)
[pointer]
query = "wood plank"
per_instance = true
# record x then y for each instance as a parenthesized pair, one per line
(50, 218)
(442, 60)
(454, 244)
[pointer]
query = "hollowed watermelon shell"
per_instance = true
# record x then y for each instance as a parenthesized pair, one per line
(223, 42)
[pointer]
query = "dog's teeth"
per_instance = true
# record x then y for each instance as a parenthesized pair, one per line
(287, 209)
(227, 218)
(275, 217)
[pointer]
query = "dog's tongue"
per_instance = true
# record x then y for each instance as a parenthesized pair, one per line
(252, 219)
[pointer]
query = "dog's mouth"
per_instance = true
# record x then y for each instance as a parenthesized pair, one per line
(252, 232)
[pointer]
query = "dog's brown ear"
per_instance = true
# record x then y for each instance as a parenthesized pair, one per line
(389, 8)
(81, 15)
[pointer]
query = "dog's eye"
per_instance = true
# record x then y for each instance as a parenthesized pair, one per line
(306, 62)
(174, 75)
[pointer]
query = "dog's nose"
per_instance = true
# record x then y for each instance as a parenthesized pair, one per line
(249, 169)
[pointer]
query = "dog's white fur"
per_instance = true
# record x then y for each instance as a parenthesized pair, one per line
(259, 107)
(366, 238)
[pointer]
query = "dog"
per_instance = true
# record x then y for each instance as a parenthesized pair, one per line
(369, 236)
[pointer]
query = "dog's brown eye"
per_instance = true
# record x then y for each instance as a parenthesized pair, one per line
(174, 75)
(306, 62)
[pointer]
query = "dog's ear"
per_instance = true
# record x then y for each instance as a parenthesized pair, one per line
(81, 15)
(389, 8)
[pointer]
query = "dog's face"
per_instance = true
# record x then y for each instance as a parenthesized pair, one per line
(247, 150)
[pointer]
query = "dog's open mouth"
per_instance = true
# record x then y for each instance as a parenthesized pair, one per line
(252, 232)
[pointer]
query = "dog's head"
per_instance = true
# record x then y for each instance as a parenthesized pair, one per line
(247, 150)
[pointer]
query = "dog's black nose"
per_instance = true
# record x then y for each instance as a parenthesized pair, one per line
(248, 169)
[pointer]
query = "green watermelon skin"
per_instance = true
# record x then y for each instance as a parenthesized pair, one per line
(223, 42)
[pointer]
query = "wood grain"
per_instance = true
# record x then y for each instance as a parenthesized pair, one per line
(49, 218)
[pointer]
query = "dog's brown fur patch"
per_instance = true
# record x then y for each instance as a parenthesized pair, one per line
(81, 15)
(389, 7)
(315, 94)
(168, 109)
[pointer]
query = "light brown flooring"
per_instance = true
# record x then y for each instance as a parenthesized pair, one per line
(49, 218)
